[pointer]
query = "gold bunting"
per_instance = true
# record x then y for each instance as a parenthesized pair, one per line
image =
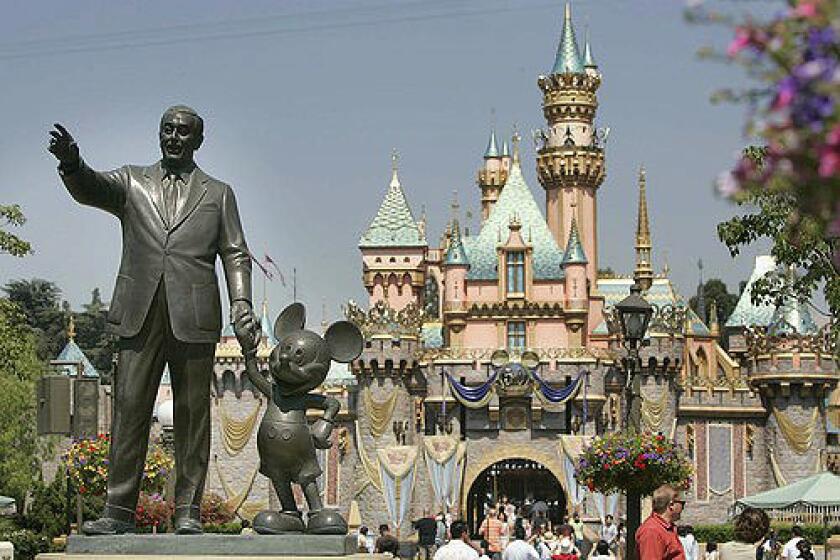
(774, 466)
(371, 469)
(798, 436)
(653, 412)
(234, 500)
(379, 413)
(236, 432)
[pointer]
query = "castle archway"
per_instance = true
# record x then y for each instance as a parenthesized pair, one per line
(519, 473)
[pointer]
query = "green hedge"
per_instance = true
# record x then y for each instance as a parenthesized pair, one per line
(232, 528)
(724, 532)
(27, 543)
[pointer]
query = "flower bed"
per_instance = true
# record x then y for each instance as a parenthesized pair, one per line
(622, 462)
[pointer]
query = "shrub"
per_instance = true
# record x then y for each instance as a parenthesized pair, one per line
(232, 528)
(215, 511)
(724, 532)
(27, 543)
(153, 511)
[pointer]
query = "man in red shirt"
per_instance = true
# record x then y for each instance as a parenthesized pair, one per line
(657, 537)
(491, 531)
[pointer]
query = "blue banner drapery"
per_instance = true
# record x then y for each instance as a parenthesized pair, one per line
(557, 396)
(471, 394)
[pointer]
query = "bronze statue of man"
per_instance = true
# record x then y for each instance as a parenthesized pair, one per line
(165, 309)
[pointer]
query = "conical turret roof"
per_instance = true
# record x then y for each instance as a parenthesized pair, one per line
(568, 58)
(574, 250)
(394, 224)
(492, 146)
(456, 255)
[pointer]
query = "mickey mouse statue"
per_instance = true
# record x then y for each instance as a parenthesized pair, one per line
(286, 443)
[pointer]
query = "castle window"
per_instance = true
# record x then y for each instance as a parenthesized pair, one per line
(516, 272)
(516, 335)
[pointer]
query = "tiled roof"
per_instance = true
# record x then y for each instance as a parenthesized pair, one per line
(72, 353)
(432, 335)
(516, 199)
(492, 146)
(455, 254)
(568, 56)
(746, 312)
(662, 292)
(792, 317)
(394, 224)
(574, 250)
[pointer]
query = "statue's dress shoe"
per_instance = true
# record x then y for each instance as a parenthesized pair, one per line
(107, 526)
(326, 522)
(278, 522)
(188, 526)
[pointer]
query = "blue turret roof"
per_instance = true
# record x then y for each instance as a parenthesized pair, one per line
(588, 59)
(574, 250)
(747, 313)
(72, 353)
(568, 58)
(266, 326)
(505, 149)
(394, 224)
(492, 146)
(792, 317)
(456, 255)
(515, 199)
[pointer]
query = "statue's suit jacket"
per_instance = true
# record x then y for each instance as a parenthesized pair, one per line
(182, 254)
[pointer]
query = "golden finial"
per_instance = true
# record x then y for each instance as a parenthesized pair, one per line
(515, 141)
(714, 324)
(71, 329)
(642, 224)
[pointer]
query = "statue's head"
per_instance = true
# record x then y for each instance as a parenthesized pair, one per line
(181, 134)
(302, 358)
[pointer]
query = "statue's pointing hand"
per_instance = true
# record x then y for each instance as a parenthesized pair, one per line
(63, 146)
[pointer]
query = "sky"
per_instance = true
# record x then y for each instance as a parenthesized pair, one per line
(304, 101)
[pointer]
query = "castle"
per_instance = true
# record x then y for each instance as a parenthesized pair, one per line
(443, 410)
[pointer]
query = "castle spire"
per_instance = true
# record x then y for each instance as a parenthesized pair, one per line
(574, 249)
(71, 329)
(714, 322)
(588, 59)
(701, 293)
(567, 60)
(492, 150)
(643, 274)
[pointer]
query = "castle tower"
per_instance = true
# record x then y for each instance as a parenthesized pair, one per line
(576, 304)
(393, 250)
(455, 268)
(493, 174)
(570, 163)
(643, 274)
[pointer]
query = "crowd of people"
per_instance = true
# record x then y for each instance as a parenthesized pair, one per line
(508, 532)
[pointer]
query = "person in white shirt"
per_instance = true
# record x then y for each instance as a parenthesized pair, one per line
(458, 547)
(609, 533)
(519, 549)
(790, 551)
(689, 542)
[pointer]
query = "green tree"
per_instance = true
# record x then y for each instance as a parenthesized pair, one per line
(40, 302)
(715, 290)
(19, 369)
(91, 333)
(11, 244)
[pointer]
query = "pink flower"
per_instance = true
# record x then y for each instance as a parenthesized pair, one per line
(806, 9)
(829, 161)
(741, 41)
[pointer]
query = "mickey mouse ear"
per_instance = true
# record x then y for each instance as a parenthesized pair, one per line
(291, 319)
(345, 341)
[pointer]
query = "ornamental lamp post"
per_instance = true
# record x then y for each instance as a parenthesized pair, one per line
(634, 314)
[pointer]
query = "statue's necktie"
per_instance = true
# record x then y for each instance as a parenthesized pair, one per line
(171, 194)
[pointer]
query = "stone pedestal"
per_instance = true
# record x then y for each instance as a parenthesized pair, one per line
(185, 547)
